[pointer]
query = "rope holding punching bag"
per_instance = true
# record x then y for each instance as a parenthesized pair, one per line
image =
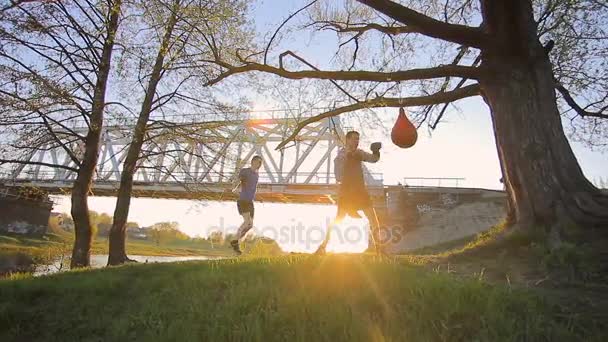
(404, 133)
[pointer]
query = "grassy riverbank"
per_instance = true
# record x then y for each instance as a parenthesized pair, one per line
(307, 298)
(480, 289)
(55, 243)
(22, 254)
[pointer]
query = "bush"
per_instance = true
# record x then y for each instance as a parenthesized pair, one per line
(11, 263)
(573, 262)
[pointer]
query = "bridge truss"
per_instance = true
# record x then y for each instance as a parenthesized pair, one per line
(196, 160)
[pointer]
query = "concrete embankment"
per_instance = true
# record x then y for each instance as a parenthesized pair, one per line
(430, 216)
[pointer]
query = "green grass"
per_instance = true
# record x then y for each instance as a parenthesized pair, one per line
(300, 298)
(51, 245)
(445, 246)
(142, 247)
(41, 250)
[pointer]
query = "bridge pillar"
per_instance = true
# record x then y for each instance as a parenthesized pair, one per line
(24, 211)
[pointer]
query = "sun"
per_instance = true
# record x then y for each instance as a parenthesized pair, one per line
(350, 236)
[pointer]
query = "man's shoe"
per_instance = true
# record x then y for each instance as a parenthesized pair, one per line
(235, 247)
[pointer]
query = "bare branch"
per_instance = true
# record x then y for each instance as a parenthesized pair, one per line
(361, 28)
(440, 97)
(373, 76)
(283, 24)
(333, 81)
(27, 162)
(14, 3)
(577, 108)
(459, 85)
(459, 34)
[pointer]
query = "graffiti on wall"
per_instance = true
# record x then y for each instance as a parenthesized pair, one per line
(445, 202)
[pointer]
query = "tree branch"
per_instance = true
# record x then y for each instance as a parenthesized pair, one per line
(577, 108)
(14, 3)
(283, 24)
(441, 97)
(27, 162)
(372, 76)
(459, 85)
(360, 28)
(58, 141)
(459, 34)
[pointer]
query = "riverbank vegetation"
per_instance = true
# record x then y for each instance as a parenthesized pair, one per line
(21, 254)
(303, 297)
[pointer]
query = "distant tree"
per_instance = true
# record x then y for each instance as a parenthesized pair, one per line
(104, 218)
(54, 224)
(104, 224)
(132, 225)
(216, 238)
(94, 223)
(162, 232)
(67, 223)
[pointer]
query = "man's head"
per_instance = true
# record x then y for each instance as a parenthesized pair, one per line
(352, 140)
(256, 162)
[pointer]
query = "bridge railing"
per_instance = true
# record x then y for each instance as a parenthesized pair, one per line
(433, 181)
(371, 179)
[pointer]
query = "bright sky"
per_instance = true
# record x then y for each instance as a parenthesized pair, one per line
(462, 146)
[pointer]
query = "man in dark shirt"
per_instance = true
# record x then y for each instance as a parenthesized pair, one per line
(248, 180)
(352, 193)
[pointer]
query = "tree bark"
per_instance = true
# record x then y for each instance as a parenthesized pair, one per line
(117, 238)
(544, 182)
(80, 191)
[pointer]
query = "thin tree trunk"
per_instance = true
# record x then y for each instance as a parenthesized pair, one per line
(117, 248)
(545, 185)
(80, 190)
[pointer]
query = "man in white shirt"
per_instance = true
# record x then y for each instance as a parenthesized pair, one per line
(352, 193)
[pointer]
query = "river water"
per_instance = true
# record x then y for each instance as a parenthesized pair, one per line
(101, 260)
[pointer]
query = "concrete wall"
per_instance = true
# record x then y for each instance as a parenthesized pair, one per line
(23, 214)
(429, 216)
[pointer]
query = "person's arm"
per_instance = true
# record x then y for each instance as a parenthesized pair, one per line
(369, 157)
(236, 186)
(339, 166)
(240, 181)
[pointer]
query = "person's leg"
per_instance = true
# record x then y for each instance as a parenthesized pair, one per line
(242, 231)
(245, 208)
(339, 217)
(245, 226)
(374, 227)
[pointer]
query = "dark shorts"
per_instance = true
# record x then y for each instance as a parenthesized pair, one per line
(350, 199)
(245, 207)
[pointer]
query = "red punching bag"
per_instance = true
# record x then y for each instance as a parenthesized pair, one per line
(404, 133)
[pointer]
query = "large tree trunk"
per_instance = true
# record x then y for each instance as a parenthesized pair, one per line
(545, 184)
(80, 190)
(117, 248)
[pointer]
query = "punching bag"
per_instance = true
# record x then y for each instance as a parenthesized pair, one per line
(404, 133)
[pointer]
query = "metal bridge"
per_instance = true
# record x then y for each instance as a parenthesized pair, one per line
(198, 161)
